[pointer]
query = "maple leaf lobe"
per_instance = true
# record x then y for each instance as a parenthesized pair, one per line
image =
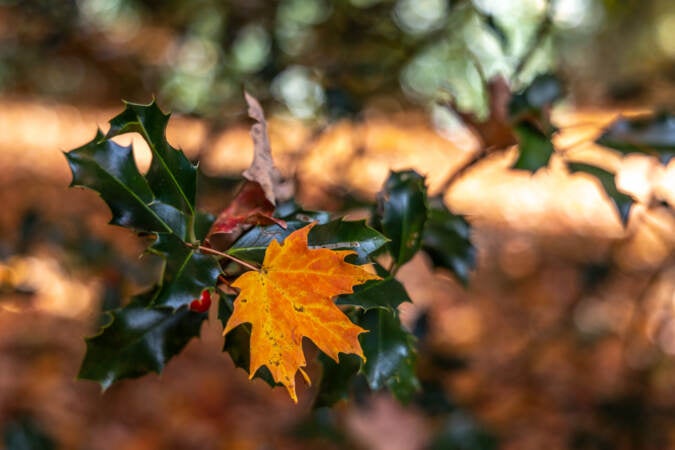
(290, 298)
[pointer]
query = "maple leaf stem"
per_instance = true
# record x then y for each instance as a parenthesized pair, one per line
(211, 251)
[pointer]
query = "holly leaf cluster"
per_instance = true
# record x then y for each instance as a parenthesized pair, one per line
(281, 273)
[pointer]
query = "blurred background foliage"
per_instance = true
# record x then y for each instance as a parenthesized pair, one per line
(327, 58)
(565, 335)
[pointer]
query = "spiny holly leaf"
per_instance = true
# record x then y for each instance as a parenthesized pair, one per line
(338, 234)
(138, 340)
(248, 208)
(172, 177)
(110, 170)
(622, 201)
(348, 235)
(647, 134)
(387, 292)
(447, 240)
(336, 379)
(238, 341)
(390, 353)
(187, 272)
(534, 146)
(252, 245)
(291, 298)
(402, 211)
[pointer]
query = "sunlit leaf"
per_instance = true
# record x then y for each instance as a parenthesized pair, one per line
(291, 297)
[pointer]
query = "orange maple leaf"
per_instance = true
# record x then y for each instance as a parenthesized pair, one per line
(291, 297)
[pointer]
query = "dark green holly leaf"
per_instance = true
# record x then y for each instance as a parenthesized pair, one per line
(252, 245)
(535, 147)
(291, 211)
(110, 170)
(390, 353)
(26, 434)
(186, 274)
(385, 293)
(203, 222)
(172, 177)
(402, 211)
(336, 379)
(536, 99)
(447, 241)
(347, 235)
(137, 340)
(338, 234)
(622, 201)
(237, 341)
(651, 134)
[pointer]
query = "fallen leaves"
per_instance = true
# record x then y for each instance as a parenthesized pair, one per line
(291, 297)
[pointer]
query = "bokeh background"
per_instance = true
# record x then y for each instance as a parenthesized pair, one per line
(564, 337)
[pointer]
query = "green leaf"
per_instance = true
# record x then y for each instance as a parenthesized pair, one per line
(186, 274)
(238, 341)
(110, 170)
(336, 379)
(171, 175)
(622, 202)
(203, 222)
(534, 146)
(337, 234)
(347, 235)
(402, 211)
(385, 293)
(252, 245)
(138, 340)
(447, 240)
(390, 353)
(291, 211)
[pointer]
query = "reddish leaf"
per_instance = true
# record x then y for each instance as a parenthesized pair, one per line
(249, 207)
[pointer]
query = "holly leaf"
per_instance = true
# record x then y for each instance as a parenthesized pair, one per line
(447, 241)
(651, 134)
(137, 340)
(390, 353)
(109, 169)
(386, 292)
(402, 211)
(338, 234)
(622, 202)
(291, 298)
(348, 235)
(172, 177)
(252, 245)
(336, 379)
(249, 207)
(186, 274)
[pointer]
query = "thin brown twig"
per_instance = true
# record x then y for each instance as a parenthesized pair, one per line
(211, 251)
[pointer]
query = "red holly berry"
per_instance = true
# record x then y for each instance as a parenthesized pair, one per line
(203, 303)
